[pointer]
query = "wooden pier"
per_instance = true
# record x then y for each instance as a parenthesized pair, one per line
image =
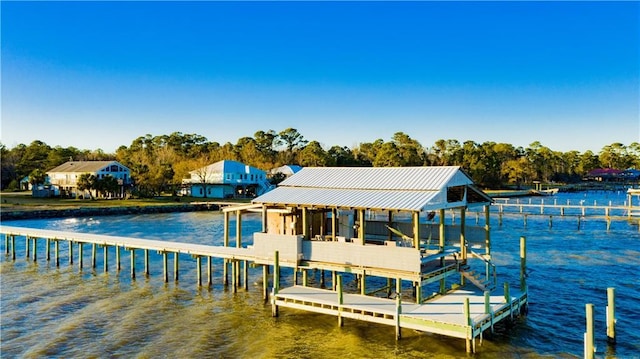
(465, 312)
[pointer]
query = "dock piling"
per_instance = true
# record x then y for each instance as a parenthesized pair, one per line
(80, 255)
(70, 252)
(199, 271)
(340, 300)
(105, 250)
(27, 247)
(117, 258)
(47, 251)
(245, 274)
(176, 266)
(133, 263)
(209, 274)
(589, 338)
(146, 263)
(276, 282)
(165, 266)
(55, 249)
(35, 246)
(611, 315)
(93, 256)
(13, 248)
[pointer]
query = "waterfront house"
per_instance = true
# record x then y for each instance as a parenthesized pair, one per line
(226, 179)
(64, 178)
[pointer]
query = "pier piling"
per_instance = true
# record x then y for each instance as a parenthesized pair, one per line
(105, 250)
(176, 266)
(133, 263)
(589, 338)
(611, 315)
(146, 263)
(340, 299)
(80, 255)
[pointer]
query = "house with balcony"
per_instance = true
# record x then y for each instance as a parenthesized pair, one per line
(226, 179)
(64, 178)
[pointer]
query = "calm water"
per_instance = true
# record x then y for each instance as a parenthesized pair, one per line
(64, 312)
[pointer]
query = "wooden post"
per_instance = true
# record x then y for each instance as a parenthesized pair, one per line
(133, 262)
(340, 300)
(467, 316)
(265, 282)
(276, 283)
(118, 258)
(398, 313)
(264, 218)
(304, 278)
(334, 223)
(80, 255)
(305, 225)
(234, 277)
(56, 250)
(238, 229)
(611, 315)
(27, 246)
(550, 221)
(245, 274)
(6, 244)
(589, 337)
(106, 258)
(487, 302)
(322, 284)
(487, 229)
(418, 292)
(13, 249)
(525, 221)
(209, 274)
(363, 283)
(441, 230)
(146, 262)
(225, 272)
(176, 266)
(199, 271)
(165, 266)
(523, 264)
(47, 252)
(93, 256)
(390, 224)
(70, 252)
(361, 226)
(225, 240)
(35, 248)
(416, 230)
(463, 241)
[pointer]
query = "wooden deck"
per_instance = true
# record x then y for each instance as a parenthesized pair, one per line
(444, 315)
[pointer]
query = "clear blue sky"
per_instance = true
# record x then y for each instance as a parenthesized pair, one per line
(99, 74)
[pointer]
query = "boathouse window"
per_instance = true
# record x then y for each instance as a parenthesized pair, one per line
(455, 194)
(114, 168)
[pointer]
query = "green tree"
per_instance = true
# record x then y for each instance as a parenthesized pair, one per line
(388, 156)
(313, 155)
(37, 177)
(87, 183)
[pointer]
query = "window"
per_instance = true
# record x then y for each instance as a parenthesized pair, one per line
(201, 191)
(114, 168)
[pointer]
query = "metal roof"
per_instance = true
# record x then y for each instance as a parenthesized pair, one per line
(394, 188)
(84, 166)
(379, 178)
(227, 166)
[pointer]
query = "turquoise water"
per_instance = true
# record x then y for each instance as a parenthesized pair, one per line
(64, 312)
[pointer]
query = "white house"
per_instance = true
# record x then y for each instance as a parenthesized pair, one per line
(65, 177)
(225, 179)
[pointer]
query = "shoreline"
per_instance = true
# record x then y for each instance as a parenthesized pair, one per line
(107, 211)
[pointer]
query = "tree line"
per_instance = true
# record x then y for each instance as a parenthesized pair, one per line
(160, 163)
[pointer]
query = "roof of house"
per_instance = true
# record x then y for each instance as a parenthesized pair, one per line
(286, 169)
(225, 166)
(83, 166)
(395, 188)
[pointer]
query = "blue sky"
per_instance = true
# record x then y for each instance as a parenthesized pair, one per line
(99, 74)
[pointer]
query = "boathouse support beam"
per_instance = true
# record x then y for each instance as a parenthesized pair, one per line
(117, 248)
(146, 262)
(133, 263)
(276, 283)
(176, 266)
(334, 223)
(238, 229)
(416, 230)
(209, 272)
(340, 300)
(361, 225)
(611, 315)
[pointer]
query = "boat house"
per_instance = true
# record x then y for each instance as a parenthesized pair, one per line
(380, 226)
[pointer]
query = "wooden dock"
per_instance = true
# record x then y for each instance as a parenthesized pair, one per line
(465, 312)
